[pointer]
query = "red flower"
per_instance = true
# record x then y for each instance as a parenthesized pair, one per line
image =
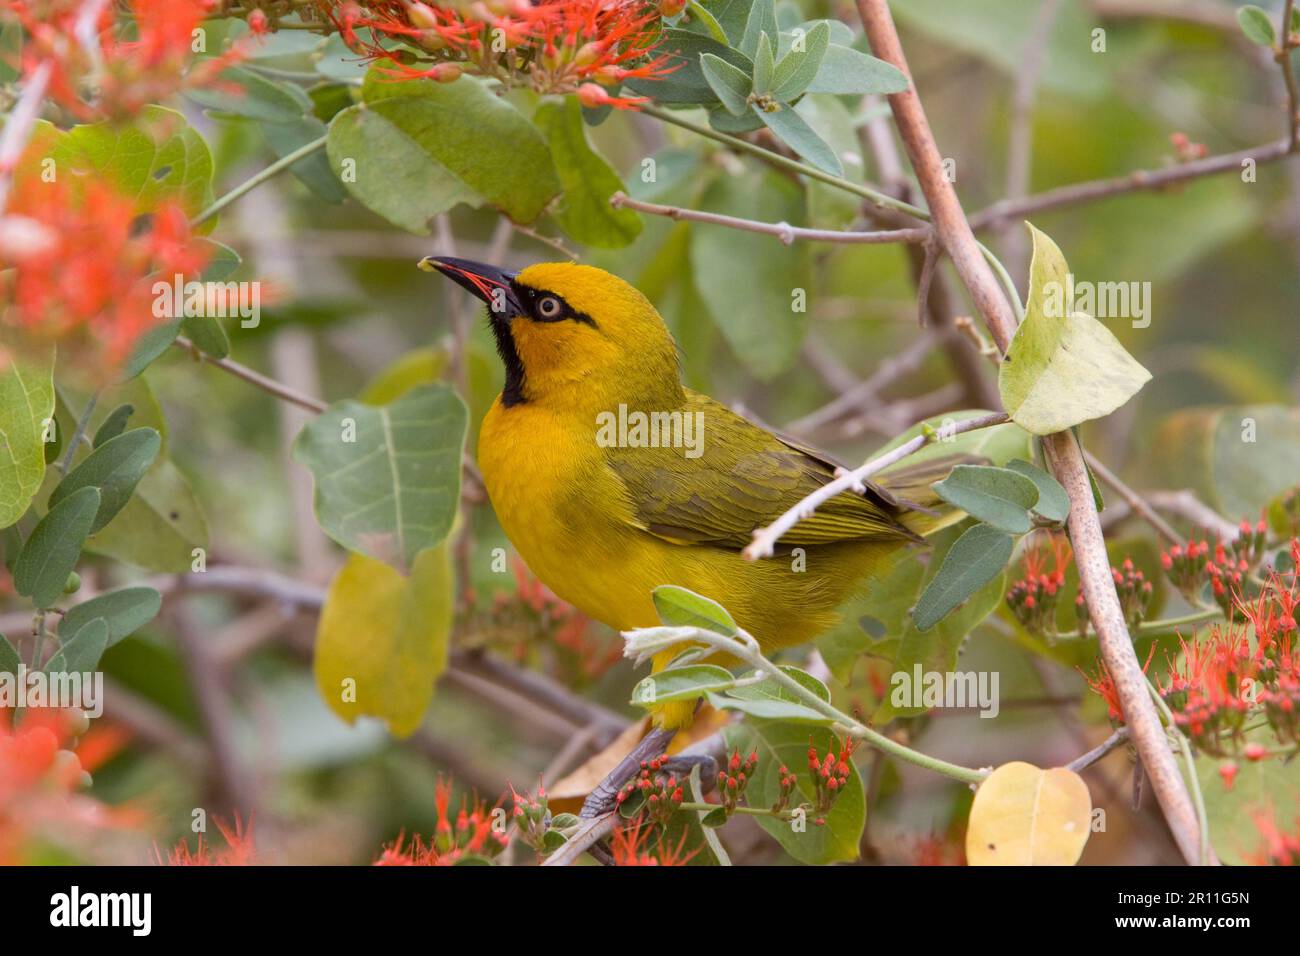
(474, 832)
(564, 46)
(629, 846)
(86, 262)
(101, 70)
(40, 780)
(238, 851)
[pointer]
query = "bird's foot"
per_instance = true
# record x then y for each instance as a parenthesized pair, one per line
(604, 796)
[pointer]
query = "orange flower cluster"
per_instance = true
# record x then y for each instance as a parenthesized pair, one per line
(1248, 665)
(473, 834)
(100, 70)
(1033, 598)
(533, 618)
(629, 846)
(238, 851)
(86, 261)
(41, 779)
(585, 47)
(830, 775)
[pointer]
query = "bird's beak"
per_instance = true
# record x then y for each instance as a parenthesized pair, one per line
(494, 286)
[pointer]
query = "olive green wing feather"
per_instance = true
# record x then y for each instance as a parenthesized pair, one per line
(742, 479)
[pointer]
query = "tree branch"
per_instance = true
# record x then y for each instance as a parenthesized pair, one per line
(765, 539)
(1139, 180)
(1062, 451)
(782, 230)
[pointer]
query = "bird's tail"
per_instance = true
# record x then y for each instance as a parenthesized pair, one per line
(921, 510)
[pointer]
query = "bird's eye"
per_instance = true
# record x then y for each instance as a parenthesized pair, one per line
(549, 307)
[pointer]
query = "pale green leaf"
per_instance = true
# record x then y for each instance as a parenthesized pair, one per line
(387, 477)
(1063, 367)
(26, 419)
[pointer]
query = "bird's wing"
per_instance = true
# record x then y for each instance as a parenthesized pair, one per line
(742, 479)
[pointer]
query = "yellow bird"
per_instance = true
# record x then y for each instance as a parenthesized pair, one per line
(611, 478)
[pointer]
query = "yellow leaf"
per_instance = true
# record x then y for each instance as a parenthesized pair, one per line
(1025, 816)
(382, 639)
(419, 367)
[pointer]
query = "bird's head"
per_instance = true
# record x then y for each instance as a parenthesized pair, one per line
(572, 334)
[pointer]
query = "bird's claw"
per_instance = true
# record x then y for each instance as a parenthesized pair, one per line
(604, 796)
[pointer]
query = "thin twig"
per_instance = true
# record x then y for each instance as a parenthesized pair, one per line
(1020, 146)
(1283, 56)
(265, 383)
(1139, 180)
(765, 539)
(1117, 739)
(18, 128)
(281, 164)
(589, 832)
(865, 395)
(1135, 500)
(781, 230)
(1062, 450)
(1186, 505)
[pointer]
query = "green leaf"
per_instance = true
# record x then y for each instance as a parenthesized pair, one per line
(792, 130)
(747, 280)
(115, 468)
(714, 818)
(52, 551)
(207, 334)
(149, 346)
(1063, 367)
(687, 83)
(155, 158)
(999, 32)
(935, 649)
(678, 607)
(1236, 458)
(81, 652)
(769, 689)
(998, 496)
(387, 477)
(160, 526)
(113, 425)
(313, 170)
(680, 683)
(879, 613)
(1053, 503)
(125, 611)
(9, 659)
(998, 444)
(421, 147)
(978, 556)
(844, 70)
(798, 68)
(762, 19)
(768, 709)
(779, 744)
(731, 84)
(1257, 26)
(243, 92)
(1267, 789)
(383, 639)
(584, 211)
(764, 64)
(26, 412)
